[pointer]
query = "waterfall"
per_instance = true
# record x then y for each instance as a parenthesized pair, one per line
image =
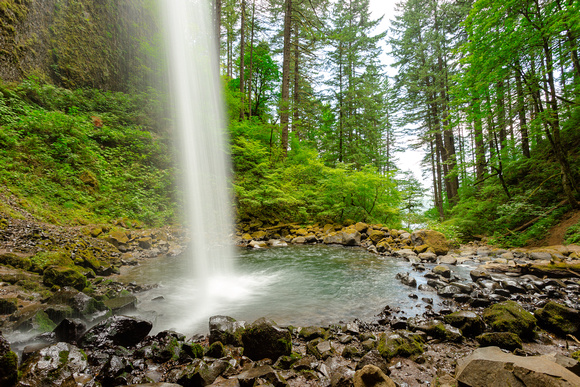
(196, 96)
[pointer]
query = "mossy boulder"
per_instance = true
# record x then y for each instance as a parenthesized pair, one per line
(8, 305)
(8, 364)
(467, 321)
(226, 330)
(265, 339)
(376, 235)
(434, 240)
(400, 343)
(311, 333)
(15, 260)
(504, 340)
(509, 316)
(216, 350)
(63, 276)
(559, 319)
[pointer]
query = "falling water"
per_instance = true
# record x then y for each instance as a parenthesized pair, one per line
(195, 90)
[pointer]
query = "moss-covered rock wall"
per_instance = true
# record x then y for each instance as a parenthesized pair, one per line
(106, 44)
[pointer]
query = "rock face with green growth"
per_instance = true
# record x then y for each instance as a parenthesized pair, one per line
(53, 365)
(371, 375)
(15, 260)
(559, 319)
(434, 240)
(400, 343)
(504, 340)
(226, 330)
(467, 321)
(64, 276)
(8, 364)
(264, 339)
(509, 316)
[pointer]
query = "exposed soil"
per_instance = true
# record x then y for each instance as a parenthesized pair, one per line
(556, 234)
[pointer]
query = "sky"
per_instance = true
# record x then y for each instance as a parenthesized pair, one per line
(410, 159)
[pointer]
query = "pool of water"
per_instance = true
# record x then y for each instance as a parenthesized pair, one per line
(296, 285)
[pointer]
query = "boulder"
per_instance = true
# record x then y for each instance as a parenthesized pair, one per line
(311, 333)
(400, 343)
(56, 365)
(264, 339)
(376, 235)
(17, 261)
(374, 358)
(508, 316)
(117, 238)
(406, 279)
(70, 330)
(490, 366)
(277, 243)
(63, 276)
(350, 237)
(372, 376)
(333, 239)
(436, 241)
(361, 227)
(442, 270)
(251, 377)
(123, 304)
(116, 330)
(83, 306)
(476, 274)
(226, 330)
(467, 321)
(504, 340)
(8, 364)
(559, 319)
(8, 305)
(145, 242)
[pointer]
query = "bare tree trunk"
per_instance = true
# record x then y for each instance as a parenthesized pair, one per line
(242, 60)
(296, 96)
(251, 72)
(522, 116)
(285, 101)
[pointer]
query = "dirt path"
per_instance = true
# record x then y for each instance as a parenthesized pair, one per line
(556, 234)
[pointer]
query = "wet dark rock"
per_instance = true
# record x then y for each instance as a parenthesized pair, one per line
(216, 350)
(461, 297)
(437, 284)
(226, 330)
(116, 330)
(504, 340)
(512, 286)
(307, 363)
(406, 279)
(442, 270)
(120, 305)
(479, 274)
(8, 305)
(427, 288)
(449, 291)
(56, 365)
(467, 321)
(83, 306)
(311, 333)
(70, 330)
(8, 364)
(558, 319)
(264, 339)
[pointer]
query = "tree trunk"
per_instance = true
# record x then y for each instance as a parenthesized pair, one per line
(522, 116)
(285, 98)
(242, 59)
(479, 142)
(296, 96)
(251, 72)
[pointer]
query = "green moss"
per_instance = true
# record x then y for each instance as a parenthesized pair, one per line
(63, 276)
(43, 322)
(509, 316)
(216, 350)
(8, 369)
(400, 343)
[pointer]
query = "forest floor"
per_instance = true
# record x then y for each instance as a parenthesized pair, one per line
(555, 236)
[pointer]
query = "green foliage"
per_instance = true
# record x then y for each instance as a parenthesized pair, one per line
(85, 155)
(573, 234)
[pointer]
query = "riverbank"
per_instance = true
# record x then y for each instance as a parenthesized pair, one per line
(541, 283)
